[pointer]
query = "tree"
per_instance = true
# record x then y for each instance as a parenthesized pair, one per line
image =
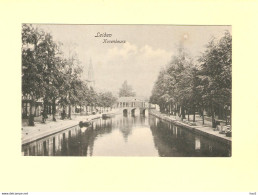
(195, 98)
(46, 73)
(72, 85)
(32, 65)
(215, 75)
(180, 69)
(184, 85)
(50, 56)
(173, 89)
(160, 93)
(126, 90)
(106, 99)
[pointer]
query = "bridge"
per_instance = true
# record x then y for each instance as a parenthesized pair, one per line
(132, 106)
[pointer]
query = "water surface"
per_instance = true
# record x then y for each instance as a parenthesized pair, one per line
(127, 136)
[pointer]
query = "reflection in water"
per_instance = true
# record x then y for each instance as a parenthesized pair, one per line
(126, 136)
(197, 143)
(176, 141)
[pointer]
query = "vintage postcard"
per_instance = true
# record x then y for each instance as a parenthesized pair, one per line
(126, 90)
(162, 95)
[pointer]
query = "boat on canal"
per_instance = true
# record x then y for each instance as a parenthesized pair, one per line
(108, 115)
(86, 123)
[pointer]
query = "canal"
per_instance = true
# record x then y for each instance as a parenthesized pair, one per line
(127, 136)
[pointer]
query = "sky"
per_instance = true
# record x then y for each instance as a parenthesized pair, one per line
(145, 49)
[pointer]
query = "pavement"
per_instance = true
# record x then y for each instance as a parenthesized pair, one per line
(40, 130)
(205, 129)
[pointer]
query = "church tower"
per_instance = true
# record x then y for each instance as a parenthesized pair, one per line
(90, 75)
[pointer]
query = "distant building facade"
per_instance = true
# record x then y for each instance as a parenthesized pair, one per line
(123, 102)
(30, 107)
(132, 106)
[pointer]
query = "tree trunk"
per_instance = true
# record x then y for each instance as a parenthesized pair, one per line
(193, 113)
(54, 109)
(179, 111)
(230, 112)
(221, 112)
(31, 116)
(69, 114)
(212, 116)
(188, 114)
(160, 107)
(35, 108)
(225, 111)
(203, 116)
(26, 111)
(63, 113)
(45, 110)
(183, 112)
(69, 108)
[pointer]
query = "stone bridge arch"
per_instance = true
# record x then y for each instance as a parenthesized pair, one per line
(125, 112)
(135, 111)
(145, 111)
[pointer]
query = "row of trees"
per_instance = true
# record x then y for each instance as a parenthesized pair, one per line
(186, 86)
(48, 75)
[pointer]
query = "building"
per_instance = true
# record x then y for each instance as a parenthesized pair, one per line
(131, 102)
(29, 106)
(132, 105)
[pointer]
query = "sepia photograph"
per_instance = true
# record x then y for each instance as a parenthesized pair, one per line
(126, 90)
(129, 96)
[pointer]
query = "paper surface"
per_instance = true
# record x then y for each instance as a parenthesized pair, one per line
(238, 173)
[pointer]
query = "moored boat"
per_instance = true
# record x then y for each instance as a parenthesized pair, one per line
(107, 115)
(85, 123)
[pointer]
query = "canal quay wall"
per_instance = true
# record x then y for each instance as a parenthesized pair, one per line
(41, 130)
(204, 130)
